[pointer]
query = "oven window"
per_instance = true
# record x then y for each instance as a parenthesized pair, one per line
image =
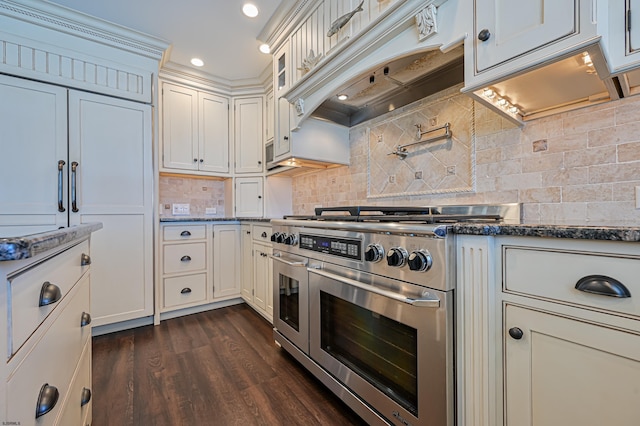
(289, 301)
(379, 349)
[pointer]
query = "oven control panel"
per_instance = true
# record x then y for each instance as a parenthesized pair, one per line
(342, 247)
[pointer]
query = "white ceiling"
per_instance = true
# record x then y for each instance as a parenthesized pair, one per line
(216, 31)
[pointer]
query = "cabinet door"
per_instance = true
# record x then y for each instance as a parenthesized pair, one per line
(110, 140)
(261, 275)
(226, 261)
(633, 25)
(282, 143)
(247, 263)
(248, 197)
(179, 128)
(213, 135)
(33, 119)
(517, 27)
(270, 116)
(569, 372)
(248, 135)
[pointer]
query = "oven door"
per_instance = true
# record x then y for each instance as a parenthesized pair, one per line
(291, 298)
(388, 341)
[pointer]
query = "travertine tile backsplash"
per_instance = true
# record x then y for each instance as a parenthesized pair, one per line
(199, 193)
(579, 167)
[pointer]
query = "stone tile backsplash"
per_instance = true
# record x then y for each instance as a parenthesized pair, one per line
(199, 193)
(579, 167)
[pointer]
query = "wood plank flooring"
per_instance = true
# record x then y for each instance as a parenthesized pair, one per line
(214, 368)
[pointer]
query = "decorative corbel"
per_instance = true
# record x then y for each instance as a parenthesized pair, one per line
(426, 22)
(299, 104)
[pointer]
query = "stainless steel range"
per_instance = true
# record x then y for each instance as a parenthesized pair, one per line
(364, 299)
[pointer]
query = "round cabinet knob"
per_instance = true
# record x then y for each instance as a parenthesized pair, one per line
(291, 240)
(281, 237)
(420, 260)
(484, 35)
(516, 333)
(274, 237)
(374, 253)
(397, 256)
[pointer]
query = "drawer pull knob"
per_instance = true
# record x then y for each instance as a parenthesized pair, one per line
(85, 260)
(484, 35)
(85, 319)
(185, 290)
(50, 293)
(263, 235)
(47, 399)
(185, 234)
(602, 285)
(86, 397)
(185, 258)
(516, 333)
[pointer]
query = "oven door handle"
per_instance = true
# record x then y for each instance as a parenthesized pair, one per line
(431, 301)
(287, 262)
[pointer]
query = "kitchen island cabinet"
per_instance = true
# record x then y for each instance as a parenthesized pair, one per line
(544, 352)
(45, 329)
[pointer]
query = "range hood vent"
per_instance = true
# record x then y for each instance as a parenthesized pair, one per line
(393, 85)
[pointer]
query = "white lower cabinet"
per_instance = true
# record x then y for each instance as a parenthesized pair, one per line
(540, 338)
(199, 266)
(565, 371)
(257, 289)
(47, 375)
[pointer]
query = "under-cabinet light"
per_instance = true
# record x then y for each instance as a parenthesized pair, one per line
(343, 97)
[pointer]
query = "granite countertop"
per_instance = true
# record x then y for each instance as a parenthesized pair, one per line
(24, 247)
(608, 233)
(212, 219)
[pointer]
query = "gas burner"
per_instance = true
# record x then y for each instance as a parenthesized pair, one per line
(508, 213)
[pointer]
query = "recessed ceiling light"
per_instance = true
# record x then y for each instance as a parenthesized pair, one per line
(264, 48)
(197, 62)
(250, 10)
(343, 97)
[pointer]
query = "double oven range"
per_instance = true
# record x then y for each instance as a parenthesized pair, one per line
(364, 299)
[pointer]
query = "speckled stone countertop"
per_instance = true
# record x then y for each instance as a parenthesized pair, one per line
(211, 219)
(608, 233)
(14, 248)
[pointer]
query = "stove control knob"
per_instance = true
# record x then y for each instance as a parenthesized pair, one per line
(291, 240)
(374, 253)
(397, 256)
(420, 260)
(274, 237)
(281, 237)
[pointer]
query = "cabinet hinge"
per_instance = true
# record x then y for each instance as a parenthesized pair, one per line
(629, 20)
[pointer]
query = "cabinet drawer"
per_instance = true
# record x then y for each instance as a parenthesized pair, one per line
(185, 290)
(73, 411)
(184, 257)
(25, 311)
(184, 232)
(553, 274)
(262, 233)
(52, 361)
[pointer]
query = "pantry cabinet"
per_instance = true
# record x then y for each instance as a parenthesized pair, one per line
(195, 130)
(249, 141)
(83, 169)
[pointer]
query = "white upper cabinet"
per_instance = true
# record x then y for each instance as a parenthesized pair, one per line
(624, 44)
(195, 131)
(505, 29)
(269, 121)
(213, 127)
(248, 135)
(248, 197)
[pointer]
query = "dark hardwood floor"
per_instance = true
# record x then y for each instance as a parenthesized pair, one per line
(215, 368)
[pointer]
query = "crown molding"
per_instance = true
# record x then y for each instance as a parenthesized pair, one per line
(78, 24)
(181, 74)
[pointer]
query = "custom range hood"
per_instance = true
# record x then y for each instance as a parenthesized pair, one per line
(393, 85)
